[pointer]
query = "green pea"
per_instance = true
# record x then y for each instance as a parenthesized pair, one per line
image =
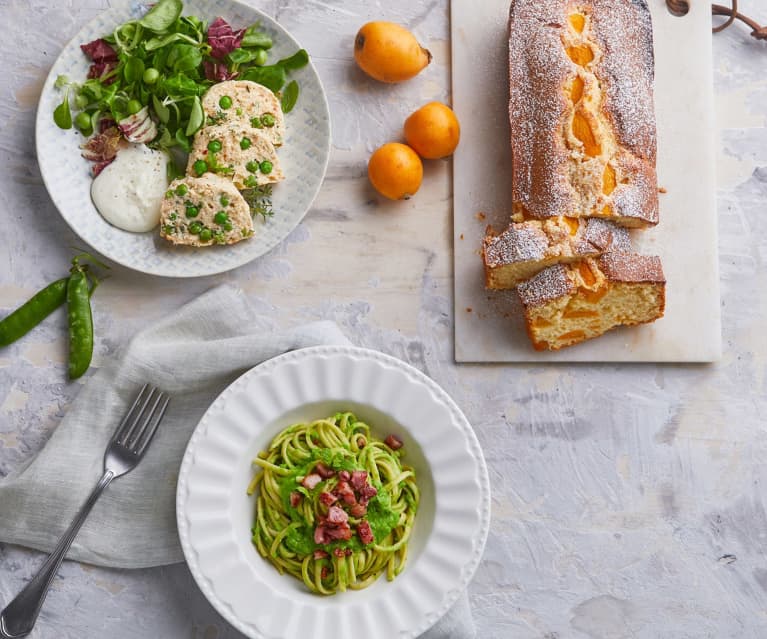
(134, 106)
(256, 123)
(192, 211)
(182, 190)
(214, 146)
(245, 143)
(225, 102)
(206, 235)
(168, 195)
(81, 101)
(268, 120)
(228, 226)
(224, 200)
(265, 167)
(195, 228)
(252, 166)
(151, 75)
(83, 122)
(260, 59)
(220, 217)
(238, 112)
(251, 181)
(200, 166)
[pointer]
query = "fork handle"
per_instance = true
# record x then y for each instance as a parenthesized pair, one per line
(19, 616)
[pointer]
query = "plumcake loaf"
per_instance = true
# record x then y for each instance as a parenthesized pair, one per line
(526, 248)
(581, 107)
(567, 304)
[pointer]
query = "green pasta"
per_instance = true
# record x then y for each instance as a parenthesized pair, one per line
(335, 506)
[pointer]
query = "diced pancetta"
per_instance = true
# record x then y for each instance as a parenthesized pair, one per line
(310, 481)
(359, 479)
(365, 532)
(324, 471)
(337, 515)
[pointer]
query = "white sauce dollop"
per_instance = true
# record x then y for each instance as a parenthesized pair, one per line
(129, 191)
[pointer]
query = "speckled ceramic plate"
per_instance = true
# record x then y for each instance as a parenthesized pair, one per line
(215, 515)
(304, 158)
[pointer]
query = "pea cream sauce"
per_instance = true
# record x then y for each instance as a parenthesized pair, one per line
(129, 191)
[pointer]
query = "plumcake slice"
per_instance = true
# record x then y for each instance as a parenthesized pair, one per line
(526, 248)
(581, 108)
(567, 304)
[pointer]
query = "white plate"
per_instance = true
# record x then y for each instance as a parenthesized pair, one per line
(66, 174)
(215, 515)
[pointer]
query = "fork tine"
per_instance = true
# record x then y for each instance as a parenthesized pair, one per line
(154, 422)
(142, 421)
(128, 422)
(135, 420)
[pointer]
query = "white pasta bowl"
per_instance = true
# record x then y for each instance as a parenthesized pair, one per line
(215, 514)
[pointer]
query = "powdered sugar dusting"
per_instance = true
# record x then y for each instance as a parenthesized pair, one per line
(623, 30)
(620, 32)
(631, 268)
(639, 198)
(538, 67)
(551, 283)
(601, 235)
(519, 243)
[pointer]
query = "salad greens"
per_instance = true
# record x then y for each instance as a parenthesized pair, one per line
(165, 62)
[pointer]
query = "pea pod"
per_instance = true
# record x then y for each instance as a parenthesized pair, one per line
(32, 312)
(80, 321)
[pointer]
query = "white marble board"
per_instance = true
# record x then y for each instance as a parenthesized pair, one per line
(488, 326)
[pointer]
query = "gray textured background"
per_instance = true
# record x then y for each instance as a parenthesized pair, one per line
(628, 500)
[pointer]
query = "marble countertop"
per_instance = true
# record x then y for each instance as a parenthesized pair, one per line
(628, 500)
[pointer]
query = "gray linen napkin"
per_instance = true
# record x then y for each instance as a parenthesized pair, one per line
(193, 355)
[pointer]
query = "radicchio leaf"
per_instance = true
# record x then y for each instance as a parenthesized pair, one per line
(222, 39)
(103, 146)
(99, 69)
(218, 71)
(99, 51)
(139, 127)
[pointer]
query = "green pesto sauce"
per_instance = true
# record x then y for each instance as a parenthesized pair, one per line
(301, 539)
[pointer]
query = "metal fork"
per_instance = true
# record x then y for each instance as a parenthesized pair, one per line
(124, 451)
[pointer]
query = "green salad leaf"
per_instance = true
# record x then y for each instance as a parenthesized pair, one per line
(196, 117)
(62, 115)
(162, 15)
(295, 62)
(164, 62)
(255, 38)
(272, 77)
(290, 96)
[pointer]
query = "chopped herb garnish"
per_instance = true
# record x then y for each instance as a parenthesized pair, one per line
(259, 199)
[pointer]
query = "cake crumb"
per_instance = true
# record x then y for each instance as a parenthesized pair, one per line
(662, 189)
(461, 235)
(468, 309)
(481, 216)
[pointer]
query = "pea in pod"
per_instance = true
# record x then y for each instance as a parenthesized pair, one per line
(76, 291)
(80, 322)
(32, 312)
